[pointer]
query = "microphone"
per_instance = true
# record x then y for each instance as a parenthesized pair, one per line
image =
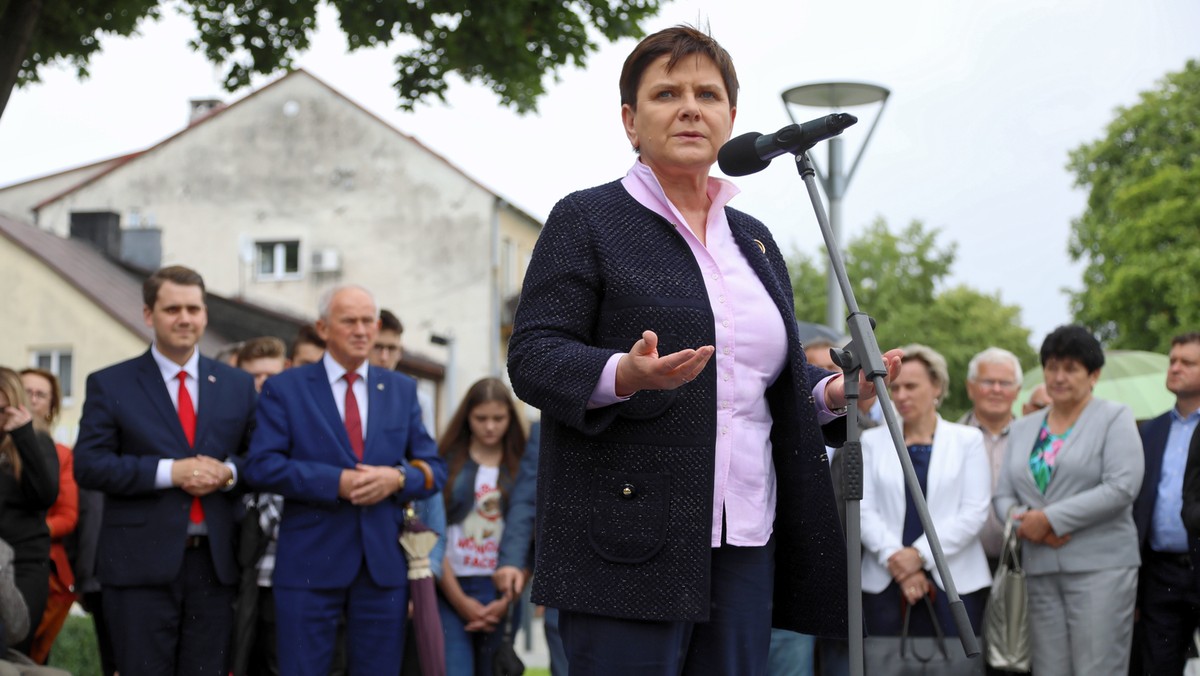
(752, 152)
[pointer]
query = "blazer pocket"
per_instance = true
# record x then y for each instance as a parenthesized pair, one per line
(628, 521)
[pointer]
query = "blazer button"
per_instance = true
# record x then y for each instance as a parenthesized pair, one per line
(628, 491)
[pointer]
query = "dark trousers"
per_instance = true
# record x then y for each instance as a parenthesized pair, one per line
(1170, 611)
(93, 602)
(264, 661)
(558, 654)
(182, 628)
(735, 639)
(32, 578)
(306, 623)
(883, 613)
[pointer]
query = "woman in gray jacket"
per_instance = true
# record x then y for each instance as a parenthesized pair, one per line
(1070, 477)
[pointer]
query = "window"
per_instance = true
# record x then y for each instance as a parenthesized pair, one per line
(277, 260)
(57, 361)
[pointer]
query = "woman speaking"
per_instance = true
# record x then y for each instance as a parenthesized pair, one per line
(684, 498)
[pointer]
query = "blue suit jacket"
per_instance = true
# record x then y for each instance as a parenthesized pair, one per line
(128, 425)
(299, 450)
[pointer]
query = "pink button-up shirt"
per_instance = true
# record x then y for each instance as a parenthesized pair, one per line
(751, 352)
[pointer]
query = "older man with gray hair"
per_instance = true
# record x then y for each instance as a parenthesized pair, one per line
(343, 443)
(993, 381)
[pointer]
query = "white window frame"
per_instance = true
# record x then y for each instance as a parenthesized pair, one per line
(278, 248)
(55, 355)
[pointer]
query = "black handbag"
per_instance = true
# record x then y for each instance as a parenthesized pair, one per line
(505, 661)
(906, 655)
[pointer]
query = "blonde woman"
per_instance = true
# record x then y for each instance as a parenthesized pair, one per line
(28, 487)
(952, 467)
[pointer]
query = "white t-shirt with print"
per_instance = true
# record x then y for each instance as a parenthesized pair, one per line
(473, 546)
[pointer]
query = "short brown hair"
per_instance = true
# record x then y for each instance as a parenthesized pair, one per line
(307, 335)
(1185, 338)
(263, 347)
(176, 274)
(677, 41)
(388, 321)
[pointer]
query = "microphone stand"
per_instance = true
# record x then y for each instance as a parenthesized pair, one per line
(862, 354)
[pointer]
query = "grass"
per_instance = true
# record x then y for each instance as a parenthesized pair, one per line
(75, 649)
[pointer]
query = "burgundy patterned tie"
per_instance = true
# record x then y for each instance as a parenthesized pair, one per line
(353, 419)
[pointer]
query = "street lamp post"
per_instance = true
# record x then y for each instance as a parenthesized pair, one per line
(836, 96)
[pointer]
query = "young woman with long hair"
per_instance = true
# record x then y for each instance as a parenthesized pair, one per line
(28, 486)
(483, 445)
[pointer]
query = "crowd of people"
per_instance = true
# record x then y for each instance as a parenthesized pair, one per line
(244, 517)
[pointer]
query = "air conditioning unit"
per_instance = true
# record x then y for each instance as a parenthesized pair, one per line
(326, 260)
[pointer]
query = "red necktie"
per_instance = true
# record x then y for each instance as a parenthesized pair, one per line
(353, 420)
(187, 420)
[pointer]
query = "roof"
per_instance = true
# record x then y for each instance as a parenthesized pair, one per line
(108, 285)
(117, 290)
(118, 162)
(114, 288)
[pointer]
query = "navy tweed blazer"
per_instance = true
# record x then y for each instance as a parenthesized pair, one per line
(625, 492)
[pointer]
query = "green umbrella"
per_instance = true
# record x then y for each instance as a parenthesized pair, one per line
(1132, 377)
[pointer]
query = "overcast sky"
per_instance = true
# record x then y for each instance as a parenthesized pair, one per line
(987, 99)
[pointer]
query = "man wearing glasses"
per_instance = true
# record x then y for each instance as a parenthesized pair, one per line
(993, 381)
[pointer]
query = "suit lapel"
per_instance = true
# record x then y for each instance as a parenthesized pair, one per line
(209, 396)
(939, 459)
(1023, 438)
(318, 382)
(151, 381)
(760, 263)
(375, 408)
(1082, 427)
(1160, 429)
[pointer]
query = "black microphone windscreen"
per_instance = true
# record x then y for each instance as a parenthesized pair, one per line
(739, 157)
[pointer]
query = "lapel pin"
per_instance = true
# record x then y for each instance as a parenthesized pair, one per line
(761, 246)
(212, 379)
(379, 386)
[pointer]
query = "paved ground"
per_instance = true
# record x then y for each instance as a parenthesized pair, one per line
(531, 643)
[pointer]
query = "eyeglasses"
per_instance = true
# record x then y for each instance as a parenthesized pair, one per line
(35, 394)
(988, 383)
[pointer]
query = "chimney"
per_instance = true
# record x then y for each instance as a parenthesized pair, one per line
(139, 247)
(142, 248)
(101, 229)
(201, 108)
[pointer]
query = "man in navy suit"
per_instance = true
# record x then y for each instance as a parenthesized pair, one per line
(343, 442)
(162, 436)
(1169, 581)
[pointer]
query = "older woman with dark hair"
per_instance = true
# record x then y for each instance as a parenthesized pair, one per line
(1070, 477)
(684, 498)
